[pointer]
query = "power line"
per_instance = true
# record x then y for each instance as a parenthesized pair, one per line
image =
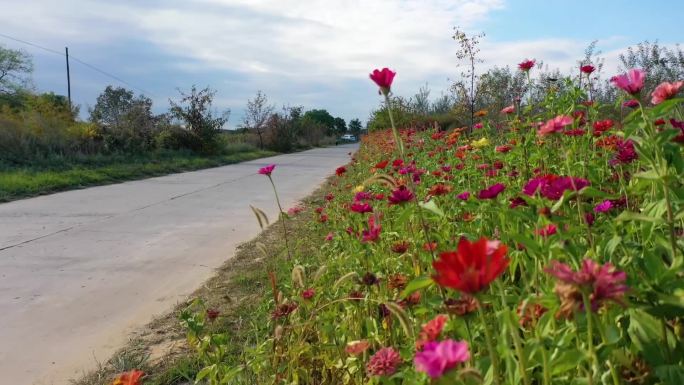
(92, 67)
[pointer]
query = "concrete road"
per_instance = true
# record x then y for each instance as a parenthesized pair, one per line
(80, 270)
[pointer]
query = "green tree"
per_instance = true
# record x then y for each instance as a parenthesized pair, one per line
(15, 70)
(355, 127)
(195, 112)
(323, 117)
(257, 114)
(340, 126)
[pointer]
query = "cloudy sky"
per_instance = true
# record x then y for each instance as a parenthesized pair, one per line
(310, 52)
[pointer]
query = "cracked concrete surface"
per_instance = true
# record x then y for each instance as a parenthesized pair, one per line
(80, 270)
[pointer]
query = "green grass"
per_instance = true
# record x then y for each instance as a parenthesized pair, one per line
(60, 174)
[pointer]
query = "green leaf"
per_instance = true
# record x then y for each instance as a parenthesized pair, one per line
(670, 374)
(644, 331)
(567, 360)
(417, 284)
(592, 192)
(431, 206)
(650, 175)
(632, 216)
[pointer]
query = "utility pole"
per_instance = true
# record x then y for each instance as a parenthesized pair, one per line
(68, 76)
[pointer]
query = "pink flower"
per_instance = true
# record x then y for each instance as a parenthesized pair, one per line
(330, 236)
(373, 232)
(508, 110)
(587, 69)
(439, 357)
(383, 78)
(400, 195)
(553, 186)
(292, 211)
(526, 65)
(492, 191)
(664, 91)
(554, 125)
(478, 126)
(546, 231)
(355, 348)
(383, 363)
(604, 206)
(604, 282)
(308, 293)
(361, 207)
(632, 82)
(463, 196)
(267, 170)
(632, 103)
(625, 153)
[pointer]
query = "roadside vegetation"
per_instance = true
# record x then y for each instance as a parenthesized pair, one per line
(46, 146)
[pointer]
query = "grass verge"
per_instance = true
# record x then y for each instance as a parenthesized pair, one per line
(237, 291)
(17, 183)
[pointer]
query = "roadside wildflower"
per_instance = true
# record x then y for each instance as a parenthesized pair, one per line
(400, 247)
(129, 378)
(603, 207)
(526, 65)
(464, 305)
(397, 281)
(482, 142)
(340, 171)
(308, 293)
(372, 234)
(267, 170)
(554, 125)
(400, 195)
(472, 267)
(463, 196)
(356, 348)
(330, 236)
(383, 78)
(383, 363)
(587, 69)
(601, 282)
(491, 192)
(665, 90)
(212, 314)
(382, 164)
(431, 330)
(292, 211)
(439, 357)
(547, 230)
(600, 126)
(361, 207)
(632, 82)
(508, 110)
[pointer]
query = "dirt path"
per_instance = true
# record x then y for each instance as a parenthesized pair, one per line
(80, 270)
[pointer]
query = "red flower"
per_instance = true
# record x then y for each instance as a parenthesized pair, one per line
(400, 195)
(373, 232)
(267, 170)
(382, 165)
(504, 148)
(384, 362)
(587, 69)
(526, 65)
(491, 192)
(129, 378)
(361, 207)
(212, 314)
(383, 79)
(546, 231)
(431, 330)
(308, 293)
(439, 189)
(340, 170)
(472, 267)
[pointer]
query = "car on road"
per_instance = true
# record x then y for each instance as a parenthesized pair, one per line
(348, 137)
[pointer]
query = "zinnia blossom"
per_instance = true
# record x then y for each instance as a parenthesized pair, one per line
(383, 78)
(664, 91)
(508, 110)
(356, 348)
(463, 196)
(373, 232)
(553, 186)
(439, 357)
(526, 65)
(603, 282)
(632, 82)
(129, 378)
(587, 69)
(604, 206)
(383, 363)
(491, 192)
(472, 267)
(267, 170)
(340, 170)
(632, 103)
(625, 153)
(400, 195)
(361, 207)
(308, 293)
(554, 125)
(431, 330)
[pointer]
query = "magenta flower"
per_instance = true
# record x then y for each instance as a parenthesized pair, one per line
(383, 78)
(664, 91)
(554, 125)
(463, 196)
(553, 186)
(438, 357)
(383, 363)
(587, 69)
(361, 207)
(603, 282)
(373, 232)
(547, 230)
(624, 153)
(526, 65)
(267, 170)
(308, 293)
(492, 191)
(604, 206)
(632, 103)
(632, 82)
(400, 195)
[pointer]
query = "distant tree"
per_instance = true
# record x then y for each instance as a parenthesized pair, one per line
(15, 70)
(421, 101)
(355, 127)
(257, 114)
(194, 110)
(323, 117)
(340, 126)
(468, 51)
(660, 63)
(113, 104)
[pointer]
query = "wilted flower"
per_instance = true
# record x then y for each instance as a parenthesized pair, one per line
(526, 65)
(530, 313)
(491, 192)
(397, 281)
(465, 304)
(129, 378)
(383, 78)
(267, 170)
(472, 266)
(212, 314)
(284, 309)
(664, 91)
(356, 348)
(370, 279)
(439, 189)
(400, 247)
(438, 357)
(383, 363)
(632, 82)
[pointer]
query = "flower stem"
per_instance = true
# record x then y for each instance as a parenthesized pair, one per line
(282, 218)
(590, 339)
(490, 344)
(397, 138)
(518, 347)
